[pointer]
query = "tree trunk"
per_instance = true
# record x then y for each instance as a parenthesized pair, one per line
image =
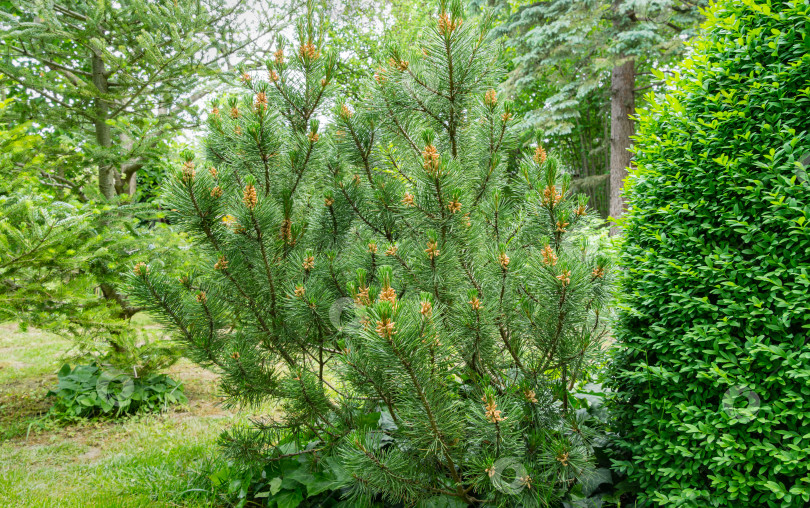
(129, 178)
(106, 171)
(126, 178)
(622, 105)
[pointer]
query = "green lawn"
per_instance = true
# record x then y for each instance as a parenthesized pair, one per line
(138, 461)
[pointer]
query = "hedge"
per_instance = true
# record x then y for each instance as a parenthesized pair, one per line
(712, 378)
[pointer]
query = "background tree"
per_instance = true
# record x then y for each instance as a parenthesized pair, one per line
(358, 30)
(58, 251)
(103, 87)
(710, 376)
(120, 78)
(478, 307)
(593, 57)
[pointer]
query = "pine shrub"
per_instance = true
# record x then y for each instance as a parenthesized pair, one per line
(420, 315)
(712, 377)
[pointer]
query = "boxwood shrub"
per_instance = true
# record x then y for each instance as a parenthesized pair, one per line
(712, 379)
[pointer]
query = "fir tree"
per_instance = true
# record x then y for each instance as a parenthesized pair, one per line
(477, 309)
(592, 58)
(119, 78)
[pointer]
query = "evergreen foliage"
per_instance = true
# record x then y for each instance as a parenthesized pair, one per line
(474, 309)
(61, 256)
(565, 56)
(711, 377)
(358, 31)
(58, 260)
(120, 78)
